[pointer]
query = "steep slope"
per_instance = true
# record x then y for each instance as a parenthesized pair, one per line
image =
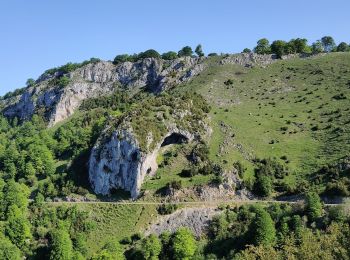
(58, 95)
(295, 110)
(128, 148)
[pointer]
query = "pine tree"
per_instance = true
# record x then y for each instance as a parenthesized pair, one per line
(17, 227)
(313, 206)
(199, 50)
(263, 228)
(61, 245)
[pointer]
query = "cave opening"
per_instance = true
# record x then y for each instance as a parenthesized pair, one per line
(174, 138)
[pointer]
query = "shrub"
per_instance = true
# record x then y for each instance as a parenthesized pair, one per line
(170, 55)
(166, 209)
(121, 58)
(228, 82)
(263, 185)
(149, 54)
(342, 47)
(184, 244)
(185, 51)
(240, 168)
(63, 81)
(176, 185)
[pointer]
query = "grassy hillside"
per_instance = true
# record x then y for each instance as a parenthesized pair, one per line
(297, 110)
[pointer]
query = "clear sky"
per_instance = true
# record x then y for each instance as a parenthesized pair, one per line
(39, 34)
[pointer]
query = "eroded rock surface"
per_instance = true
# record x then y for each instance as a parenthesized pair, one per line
(120, 163)
(97, 79)
(196, 219)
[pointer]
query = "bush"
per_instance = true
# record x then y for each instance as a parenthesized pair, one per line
(63, 81)
(240, 168)
(228, 82)
(185, 51)
(149, 54)
(246, 50)
(166, 209)
(263, 185)
(176, 185)
(170, 55)
(279, 48)
(342, 47)
(184, 244)
(121, 58)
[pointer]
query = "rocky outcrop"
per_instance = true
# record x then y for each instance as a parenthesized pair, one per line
(253, 59)
(96, 79)
(196, 219)
(119, 163)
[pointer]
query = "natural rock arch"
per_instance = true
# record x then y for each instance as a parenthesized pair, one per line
(174, 138)
(127, 165)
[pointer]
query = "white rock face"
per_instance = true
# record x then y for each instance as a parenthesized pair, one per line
(97, 79)
(120, 164)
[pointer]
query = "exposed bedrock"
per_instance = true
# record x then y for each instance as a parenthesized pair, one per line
(119, 163)
(94, 80)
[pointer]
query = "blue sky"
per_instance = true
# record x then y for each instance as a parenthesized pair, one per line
(41, 34)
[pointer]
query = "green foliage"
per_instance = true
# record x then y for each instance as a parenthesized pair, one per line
(170, 55)
(317, 47)
(8, 251)
(342, 47)
(268, 175)
(122, 58)
(298, 45)
(150, 247)
(185, 51)
(136, 57)
(63, 81)
(263, 186)
(263, 228)
(68, 67)
(119, 100)
(149, 54)
(166, 209)
(16, 195)
(246, 50)
(14, 93)
(328, 43)
(184, 244)
(18, 227)
(263, 47)
(199, 50)
(279, 47)
(313, 206)
(61, 245)
(110, 251)
(30, 82)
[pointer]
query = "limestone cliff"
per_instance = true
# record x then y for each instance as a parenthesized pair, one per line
(96, 79)
(127, 149)
(120, 163)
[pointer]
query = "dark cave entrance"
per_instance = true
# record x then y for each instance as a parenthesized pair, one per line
(174, 138)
